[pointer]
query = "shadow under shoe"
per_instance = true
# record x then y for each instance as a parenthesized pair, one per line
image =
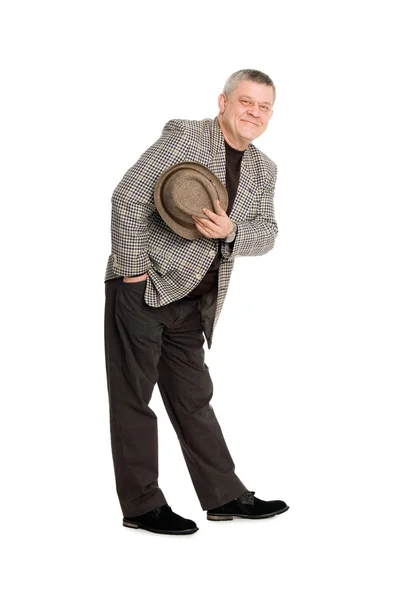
(247, 506)
(161, 520)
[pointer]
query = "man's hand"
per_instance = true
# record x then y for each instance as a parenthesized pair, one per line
(218, 225)
(135, 279)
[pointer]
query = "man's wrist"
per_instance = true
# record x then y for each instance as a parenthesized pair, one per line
(134, 278)
(232, 235)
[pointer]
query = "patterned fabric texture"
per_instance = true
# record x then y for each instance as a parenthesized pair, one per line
(141, 241)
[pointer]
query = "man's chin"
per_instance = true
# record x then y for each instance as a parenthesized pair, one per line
(250, 135)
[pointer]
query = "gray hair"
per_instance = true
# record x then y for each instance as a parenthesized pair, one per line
(247, 75)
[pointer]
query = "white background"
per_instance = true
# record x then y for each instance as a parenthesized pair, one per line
(305, 360)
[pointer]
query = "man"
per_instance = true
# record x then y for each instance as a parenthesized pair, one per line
(163, 292)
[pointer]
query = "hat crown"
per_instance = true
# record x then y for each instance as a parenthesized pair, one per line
(186, 193)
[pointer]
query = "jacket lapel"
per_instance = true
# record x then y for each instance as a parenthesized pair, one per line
(217, 162)
(247, 186)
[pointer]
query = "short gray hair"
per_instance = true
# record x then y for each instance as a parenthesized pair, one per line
(247, 75)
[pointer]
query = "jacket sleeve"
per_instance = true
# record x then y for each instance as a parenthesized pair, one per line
(256, 236)
(133, 201)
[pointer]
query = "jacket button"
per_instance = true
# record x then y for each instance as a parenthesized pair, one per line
(198, 276)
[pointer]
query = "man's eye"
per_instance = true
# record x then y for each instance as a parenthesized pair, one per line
(245, 102)
(264, 108)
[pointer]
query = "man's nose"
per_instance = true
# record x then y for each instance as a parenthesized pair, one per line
(254, 110)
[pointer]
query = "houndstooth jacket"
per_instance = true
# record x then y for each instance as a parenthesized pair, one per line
(142, 242)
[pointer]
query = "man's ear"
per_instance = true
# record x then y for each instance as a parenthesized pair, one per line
(222, 99)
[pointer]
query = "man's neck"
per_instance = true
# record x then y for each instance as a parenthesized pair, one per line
(236, 144)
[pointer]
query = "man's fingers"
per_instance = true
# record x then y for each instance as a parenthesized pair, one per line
(221, 212)
(202, 230)
(207, 224)
(211, 215)
(207, 228)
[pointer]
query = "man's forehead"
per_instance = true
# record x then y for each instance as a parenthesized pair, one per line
(254, 91)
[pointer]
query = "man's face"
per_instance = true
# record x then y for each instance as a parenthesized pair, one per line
(245, 114)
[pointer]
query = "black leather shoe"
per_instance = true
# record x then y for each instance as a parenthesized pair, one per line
(247, 506)
(161, 520)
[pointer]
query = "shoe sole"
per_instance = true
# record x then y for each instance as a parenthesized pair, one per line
(138, 526)
(233, 516)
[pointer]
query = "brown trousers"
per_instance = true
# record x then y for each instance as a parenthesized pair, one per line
(144, 346)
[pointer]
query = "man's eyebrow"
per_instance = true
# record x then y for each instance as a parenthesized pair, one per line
(250, 98)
